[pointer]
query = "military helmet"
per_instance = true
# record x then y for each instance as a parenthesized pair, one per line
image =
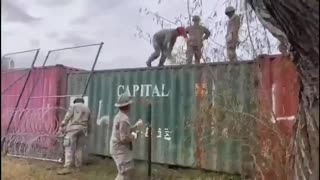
(196, 18)
(230, 9)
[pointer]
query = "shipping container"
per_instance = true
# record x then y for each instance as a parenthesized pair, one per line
(178, 96)
(278, 93)
(203, 116)
(40, 103)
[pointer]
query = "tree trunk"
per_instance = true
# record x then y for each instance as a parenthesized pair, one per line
(299, 21)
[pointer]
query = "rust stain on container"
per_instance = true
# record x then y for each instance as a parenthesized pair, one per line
(201, 92)
(278, 103)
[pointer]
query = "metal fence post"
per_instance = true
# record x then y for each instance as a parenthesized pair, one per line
(149, 140)
(92, 69)
(23, 88)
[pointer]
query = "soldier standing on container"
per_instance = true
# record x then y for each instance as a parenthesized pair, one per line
(232, 37)
(6, 63)
(75, 127)
(197, 34)
(163, 42)
(121, 139)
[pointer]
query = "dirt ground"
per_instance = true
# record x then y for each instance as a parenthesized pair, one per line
(23, 169)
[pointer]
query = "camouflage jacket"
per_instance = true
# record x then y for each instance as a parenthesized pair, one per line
(77, 118)
(197, 34)
(165, 39)
(121, 138)
(233, 29)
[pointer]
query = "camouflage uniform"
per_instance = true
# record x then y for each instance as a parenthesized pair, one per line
(6, 63)
(76, 124)
(232, 37)
(122, 136)
(163, 42)
(197, 33)
(121, 145)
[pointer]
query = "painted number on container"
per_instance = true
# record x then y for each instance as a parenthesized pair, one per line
(102, 119)
(160, 133)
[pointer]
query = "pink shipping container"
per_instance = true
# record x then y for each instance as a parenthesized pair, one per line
(43, 91)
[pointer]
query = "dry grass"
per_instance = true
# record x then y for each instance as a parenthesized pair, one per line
(21, 169)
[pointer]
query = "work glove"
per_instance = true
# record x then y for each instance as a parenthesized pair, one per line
(61, 132)
(62, 129)
(135, 135)
(139, 124)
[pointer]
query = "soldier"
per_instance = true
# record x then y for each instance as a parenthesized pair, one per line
(6, 63)
(197, 33)
(283, 49)
(75, 127)
(232, 39)
(121, 139)
(163, 42)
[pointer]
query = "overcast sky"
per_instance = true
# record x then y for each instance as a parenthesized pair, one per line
(51, 24)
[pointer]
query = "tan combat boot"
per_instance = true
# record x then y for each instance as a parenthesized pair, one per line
(65, 171)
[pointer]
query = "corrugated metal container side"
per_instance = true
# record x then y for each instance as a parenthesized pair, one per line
(278, 93)
(11, 86)
(232, 94)
(286, 93)
(176, 94)
(43, 88)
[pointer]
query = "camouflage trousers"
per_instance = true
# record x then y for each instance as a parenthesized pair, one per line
(125, 166)
(193, 51)
(74, 148)
(231, 52)
(158, 49)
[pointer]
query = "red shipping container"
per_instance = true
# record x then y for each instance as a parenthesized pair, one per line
(43, 90)
(278, 103)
